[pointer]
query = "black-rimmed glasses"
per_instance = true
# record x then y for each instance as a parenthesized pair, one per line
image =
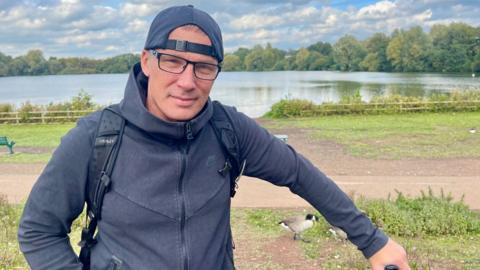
(177, 65)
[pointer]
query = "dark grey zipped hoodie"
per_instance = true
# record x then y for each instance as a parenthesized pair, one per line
(168, 207)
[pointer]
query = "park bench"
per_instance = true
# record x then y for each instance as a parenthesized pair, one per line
(4, 141)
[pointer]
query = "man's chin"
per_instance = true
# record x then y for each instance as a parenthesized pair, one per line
(181, 114)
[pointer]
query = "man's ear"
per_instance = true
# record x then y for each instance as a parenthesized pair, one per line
(144, 58)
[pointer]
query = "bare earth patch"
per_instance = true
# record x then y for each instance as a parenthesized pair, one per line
(376, 178)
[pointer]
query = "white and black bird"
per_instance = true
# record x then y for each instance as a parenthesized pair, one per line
(298, 224)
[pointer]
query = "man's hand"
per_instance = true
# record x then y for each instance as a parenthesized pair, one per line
(391, 253)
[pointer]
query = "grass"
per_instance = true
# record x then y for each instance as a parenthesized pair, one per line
(454, 248)
(255, 229)
(10, 255)
(421, 135)
(33, 142)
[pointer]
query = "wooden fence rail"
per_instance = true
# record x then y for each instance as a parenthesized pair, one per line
(41, 116)
(71, 116)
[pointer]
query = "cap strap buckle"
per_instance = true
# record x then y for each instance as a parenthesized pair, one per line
(180, 45)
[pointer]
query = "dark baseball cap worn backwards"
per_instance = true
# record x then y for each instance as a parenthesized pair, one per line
(171, 18)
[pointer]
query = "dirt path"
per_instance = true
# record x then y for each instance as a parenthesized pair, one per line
(371, 178)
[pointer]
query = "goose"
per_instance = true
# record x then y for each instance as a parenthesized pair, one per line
(298, 224)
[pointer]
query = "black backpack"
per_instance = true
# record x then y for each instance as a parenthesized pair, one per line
(107, 143)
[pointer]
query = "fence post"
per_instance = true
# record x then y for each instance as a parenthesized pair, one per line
(43, 117)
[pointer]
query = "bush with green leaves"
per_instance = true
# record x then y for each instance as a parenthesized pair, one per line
(292, 108)
(67, 111)
(10, 255)
(425, 215)
(353, 104)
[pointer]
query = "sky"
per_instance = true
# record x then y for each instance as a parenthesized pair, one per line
(105, 28)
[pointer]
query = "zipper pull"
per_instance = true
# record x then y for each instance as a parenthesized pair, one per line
(188, 131)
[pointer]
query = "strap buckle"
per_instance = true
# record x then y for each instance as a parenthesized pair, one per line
(181, 45)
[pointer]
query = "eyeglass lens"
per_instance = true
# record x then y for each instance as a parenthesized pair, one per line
(177, 65)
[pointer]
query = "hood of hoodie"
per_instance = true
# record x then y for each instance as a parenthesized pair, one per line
(135, 112)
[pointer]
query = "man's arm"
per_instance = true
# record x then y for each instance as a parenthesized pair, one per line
(270, 159)
(56, 199)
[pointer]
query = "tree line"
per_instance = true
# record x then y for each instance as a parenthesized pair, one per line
(446, 48)
(34, 63)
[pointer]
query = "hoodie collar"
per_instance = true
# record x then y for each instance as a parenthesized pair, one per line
(133, 109)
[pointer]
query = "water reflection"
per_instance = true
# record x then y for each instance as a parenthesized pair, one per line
(251, 92)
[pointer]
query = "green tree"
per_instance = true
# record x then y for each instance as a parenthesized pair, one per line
(410, 50)
(4, 63)
(324, 48)
(18, 66)
(231, 62)
(453, 47)
(348, 52)
(82, 101)
(260, 59)
(303, 59)
(55, 66)
(242, 53)
(476, 64)
(322, 54)
(37, 65)
(376, 59)
(118, 64)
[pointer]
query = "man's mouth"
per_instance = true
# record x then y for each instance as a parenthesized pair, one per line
(184, 101)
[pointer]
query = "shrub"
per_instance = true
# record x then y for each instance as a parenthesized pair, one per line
(6, 108)
(425, 215)
(456, 101)
(10, 256)
(292, 108)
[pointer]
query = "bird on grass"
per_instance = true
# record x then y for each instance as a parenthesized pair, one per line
(338, 233)
(298, 224)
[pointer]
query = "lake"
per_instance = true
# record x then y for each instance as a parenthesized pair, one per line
(251, 92)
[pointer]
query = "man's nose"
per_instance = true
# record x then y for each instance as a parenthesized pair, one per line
(186, 80)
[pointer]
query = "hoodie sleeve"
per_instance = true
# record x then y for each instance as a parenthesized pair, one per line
(270, 159)
(56, 199)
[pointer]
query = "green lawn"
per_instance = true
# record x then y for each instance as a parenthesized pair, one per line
(424, 251)
(257, 229)
(33, 142)
(421, 135)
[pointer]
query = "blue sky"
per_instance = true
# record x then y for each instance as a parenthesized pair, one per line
(103, 28)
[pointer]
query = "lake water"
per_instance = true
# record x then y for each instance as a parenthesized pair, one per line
(251, 92)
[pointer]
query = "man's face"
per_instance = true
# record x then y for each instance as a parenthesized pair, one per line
(177, 97)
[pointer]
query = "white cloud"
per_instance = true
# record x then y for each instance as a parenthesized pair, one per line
(254, 21)
(97, 27)
(137, 10)
(378, 10)
(426, 15)
(137, 26)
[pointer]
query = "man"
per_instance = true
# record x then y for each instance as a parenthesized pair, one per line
(168, 207)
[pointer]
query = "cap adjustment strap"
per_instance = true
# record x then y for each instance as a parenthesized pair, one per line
(187, 46)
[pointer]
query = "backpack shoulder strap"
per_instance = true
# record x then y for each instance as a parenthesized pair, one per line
(107, 143)
(224, 129)
(108, 139)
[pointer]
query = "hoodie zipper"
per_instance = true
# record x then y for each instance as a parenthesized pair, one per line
(189, 136)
